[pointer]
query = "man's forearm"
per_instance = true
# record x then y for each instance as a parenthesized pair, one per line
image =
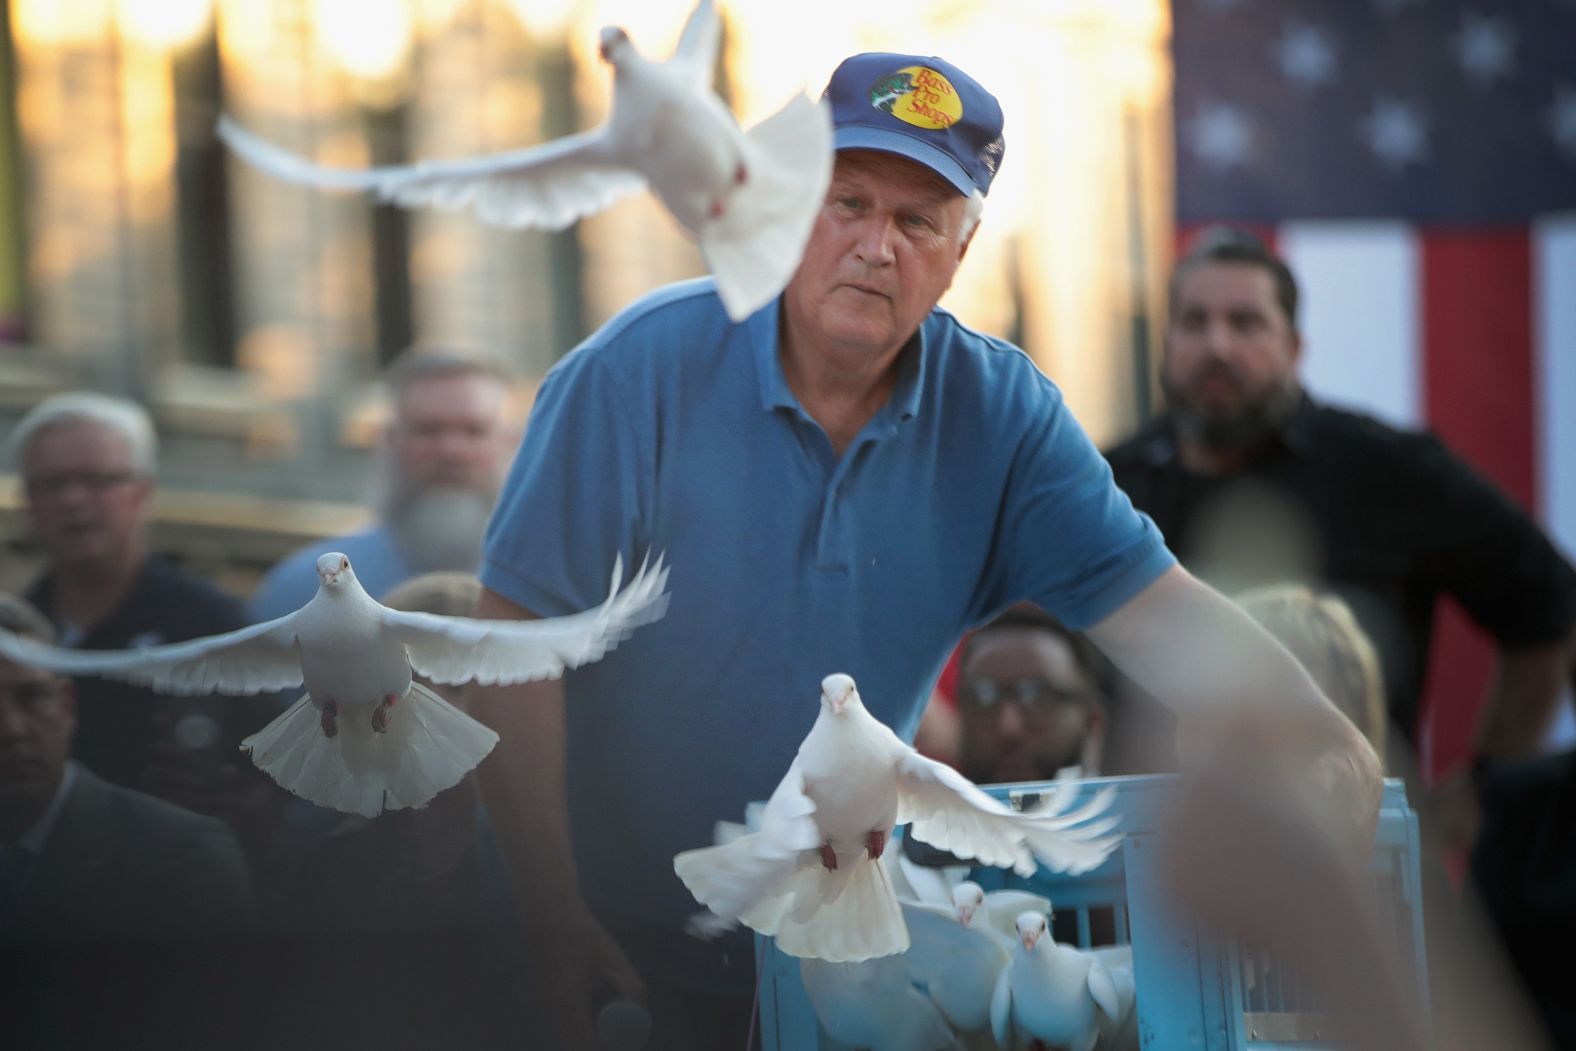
(1522, 697)
(522, 784)
(1241, 693)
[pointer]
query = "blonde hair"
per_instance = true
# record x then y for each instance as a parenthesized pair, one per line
(1324, 636)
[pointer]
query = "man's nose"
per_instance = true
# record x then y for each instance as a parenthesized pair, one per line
(1219, 340)
(875, 241)
(1009, 718)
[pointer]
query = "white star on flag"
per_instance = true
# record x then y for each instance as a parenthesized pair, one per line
(1394, 131)
(1219, 135)
(1306, 56)
(1483, 47)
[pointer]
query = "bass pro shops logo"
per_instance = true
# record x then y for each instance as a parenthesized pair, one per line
(918, 95)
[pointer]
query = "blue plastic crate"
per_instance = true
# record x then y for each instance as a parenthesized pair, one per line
(1193, 992)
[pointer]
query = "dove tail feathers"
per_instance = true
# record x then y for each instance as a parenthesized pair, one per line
(755, 246)
(428, 747)
(845, 915)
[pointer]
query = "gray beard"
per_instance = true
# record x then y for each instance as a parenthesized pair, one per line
(1254, 426)
(441, 528)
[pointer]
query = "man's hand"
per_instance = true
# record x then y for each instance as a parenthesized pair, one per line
(579, 969)
(1254, 858)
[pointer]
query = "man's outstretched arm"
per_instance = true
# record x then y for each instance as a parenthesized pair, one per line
(523, 786)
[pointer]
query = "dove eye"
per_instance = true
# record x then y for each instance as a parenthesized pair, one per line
(344, 563)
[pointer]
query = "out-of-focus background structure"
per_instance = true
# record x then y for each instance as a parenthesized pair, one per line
(1415, 162)
(136, 256)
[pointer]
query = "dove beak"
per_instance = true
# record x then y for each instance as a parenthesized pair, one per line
(965, 914)
(1030, 939)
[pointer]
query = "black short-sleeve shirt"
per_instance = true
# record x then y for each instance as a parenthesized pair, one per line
(118, 723)
(1386, 519)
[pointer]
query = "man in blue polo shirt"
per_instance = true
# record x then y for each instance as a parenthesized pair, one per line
(844, 482)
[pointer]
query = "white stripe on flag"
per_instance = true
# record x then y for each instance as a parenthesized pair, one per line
(1554, 372)
(1361, 314)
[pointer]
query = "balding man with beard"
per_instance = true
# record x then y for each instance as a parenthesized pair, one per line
(444, 455)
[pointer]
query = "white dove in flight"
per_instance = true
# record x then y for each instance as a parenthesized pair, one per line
(748, 198)
(813, 875)
(1052, 995)
(365, 737)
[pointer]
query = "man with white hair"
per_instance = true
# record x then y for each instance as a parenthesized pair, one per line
(444, 454)
(87, 464)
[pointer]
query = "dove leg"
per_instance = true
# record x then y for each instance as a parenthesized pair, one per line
(380, 714)
(875, 843)
(828, 856)
(330, 719)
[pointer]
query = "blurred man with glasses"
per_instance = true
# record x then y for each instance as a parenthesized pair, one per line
(87, 465)
(1031, 700)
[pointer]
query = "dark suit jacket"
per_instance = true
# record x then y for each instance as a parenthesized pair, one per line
(123, 866)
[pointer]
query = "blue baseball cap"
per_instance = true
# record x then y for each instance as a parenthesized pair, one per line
(925, 109)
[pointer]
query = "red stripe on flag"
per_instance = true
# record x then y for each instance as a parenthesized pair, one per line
(1478, 396)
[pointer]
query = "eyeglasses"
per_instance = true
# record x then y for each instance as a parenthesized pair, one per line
(93, 481)
(1030, 694)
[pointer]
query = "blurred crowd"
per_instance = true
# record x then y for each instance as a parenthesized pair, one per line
(135, 838)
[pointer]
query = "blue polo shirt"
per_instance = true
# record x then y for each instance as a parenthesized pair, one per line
(673, 430)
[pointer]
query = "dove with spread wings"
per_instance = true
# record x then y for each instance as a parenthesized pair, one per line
(366, 737)
(813, 873)
(750, 199)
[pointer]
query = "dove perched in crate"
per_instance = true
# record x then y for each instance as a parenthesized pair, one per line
(748, 198)
(812, 874)
(1052, 995)
(365, 737)
(957, 953)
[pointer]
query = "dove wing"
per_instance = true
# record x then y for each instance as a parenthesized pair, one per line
(696, 52)
(1001, 1008)
(949, 812)
(256, 659)
(546, 187)
(1103, 990)
(453, 650)
(742, 877)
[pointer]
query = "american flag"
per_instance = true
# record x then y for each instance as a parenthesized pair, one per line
(1415, 163)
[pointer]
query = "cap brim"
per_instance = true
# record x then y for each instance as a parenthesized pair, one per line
(859, 137)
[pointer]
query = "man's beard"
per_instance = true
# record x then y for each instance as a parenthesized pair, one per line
(439, 527)
(1248, 427)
